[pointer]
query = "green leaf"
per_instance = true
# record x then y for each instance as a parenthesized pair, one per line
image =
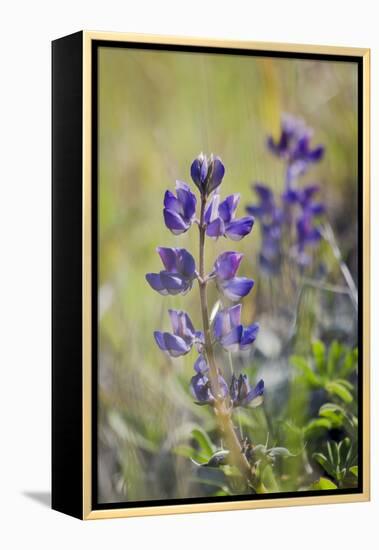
(331, 407)
(279, 451)
(348, 385)
(302, 365)
(354, 470)
(269, 480)
(333, 357)
(336, 388)
(211, 476)
(318, 424)
(325, 463)
(203, 441)
(349, 364)
(323, 484)
(189, 452)
(318, 350)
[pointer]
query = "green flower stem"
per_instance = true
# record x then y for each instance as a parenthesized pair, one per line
(222, 412)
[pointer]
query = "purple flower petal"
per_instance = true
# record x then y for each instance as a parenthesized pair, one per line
(168, 257)
(317, 208)
(224, 390)
(308, 192)
(228, 207)
(226, 319)
(263, 191)
(155, 281)
(291, 196)
(170, 202)
(173, 282)
(316, 154)
(238, 229)
(255, 397)
(195, 173)
(216, 175)
(236, 288)
(200, 388)
(185, 263)
(174, 222)
(187, 200)
(201, 366)
(216, 228)
(204, 169)
(159, 338)
(249, 336)
(211, 211)
(231, 341)
(182, 325)
(173, 345)
(255, 210)
(227, 264)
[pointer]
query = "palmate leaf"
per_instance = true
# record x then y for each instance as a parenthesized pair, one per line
(349, 364)
(338, 387)
(303, 366)
(339, 417)
(334, 355)
(317, 425)
(335, 414)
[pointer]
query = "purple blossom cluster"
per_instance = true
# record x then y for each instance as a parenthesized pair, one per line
(217, 218)
(294, 215)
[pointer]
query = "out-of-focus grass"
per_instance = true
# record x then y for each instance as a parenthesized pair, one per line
(157, 111)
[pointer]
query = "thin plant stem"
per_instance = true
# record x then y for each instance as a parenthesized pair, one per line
(223, 413)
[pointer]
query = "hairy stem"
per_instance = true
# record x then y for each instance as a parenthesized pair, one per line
(221, 410)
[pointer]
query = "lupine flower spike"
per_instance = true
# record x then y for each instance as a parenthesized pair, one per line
(209, 384)
(295, 212)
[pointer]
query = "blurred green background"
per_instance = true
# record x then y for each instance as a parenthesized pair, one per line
(157, 112)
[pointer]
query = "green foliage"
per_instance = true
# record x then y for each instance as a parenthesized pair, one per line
(323, 484)
(339, 462)
(329, 370)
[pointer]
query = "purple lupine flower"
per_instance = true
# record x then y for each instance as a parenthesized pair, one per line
(266, 209)
(179, 273)
(229, 331)
(304, 197)
(183, 337)
(307, 235)
(272, 218)
(225, 269)
(201, 388)
(201, 365)
(220, 218)
(241, 393)
(207, 173)
(179, 212)
(270, 255)
(294, 146)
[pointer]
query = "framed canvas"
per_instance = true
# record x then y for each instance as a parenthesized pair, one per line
(210, 275)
